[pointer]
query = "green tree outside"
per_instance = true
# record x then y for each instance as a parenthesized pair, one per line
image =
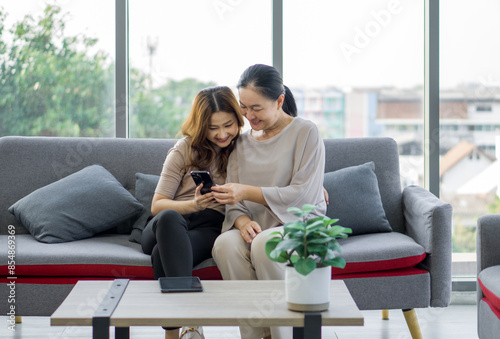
(50, 85)
(159, 112)
(54, 85)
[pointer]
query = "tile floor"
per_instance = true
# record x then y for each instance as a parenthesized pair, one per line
(454, 322)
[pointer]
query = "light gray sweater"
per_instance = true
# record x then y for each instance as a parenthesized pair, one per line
(289, 168)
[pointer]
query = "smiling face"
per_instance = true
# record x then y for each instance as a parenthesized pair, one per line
(222, 129)
(261, 112)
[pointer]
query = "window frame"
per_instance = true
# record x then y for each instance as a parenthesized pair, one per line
(431, 79)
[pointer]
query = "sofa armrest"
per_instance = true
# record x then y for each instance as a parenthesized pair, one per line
(487, 245)
(488, 241)
(428, 221)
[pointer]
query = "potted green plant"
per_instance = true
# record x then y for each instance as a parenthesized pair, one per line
(310, 248)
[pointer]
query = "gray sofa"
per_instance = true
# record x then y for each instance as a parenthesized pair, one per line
(408, 267)
(488, 271)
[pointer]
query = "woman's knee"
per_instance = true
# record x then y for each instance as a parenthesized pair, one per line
(265, 268)
(168, 221)
(259, 242)
(220, 243)
(227, 245)
(167, 217)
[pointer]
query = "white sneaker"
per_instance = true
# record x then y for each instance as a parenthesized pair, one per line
(195, 332)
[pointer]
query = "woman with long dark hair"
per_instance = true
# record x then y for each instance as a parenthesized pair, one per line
(277, 164)
(186, 222)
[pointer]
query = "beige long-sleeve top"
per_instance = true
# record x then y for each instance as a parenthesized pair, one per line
(288, 167)
(176, 182)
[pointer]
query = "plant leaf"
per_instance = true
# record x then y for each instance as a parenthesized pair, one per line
(295, 235)
(330, 222)
(300, 251)
(270, 248)
(314, 248)
(281, 258)
(314, 225)
(335, 246)
(297, 211)
(323, 232)
(336, 262)
(288, 245)
(330, 255)
(339, 231)
(317, 218)
(320, 241)
(294, 258)
(318, 250)
(315, 221)
(305, 266)
(307, 208)
(293, 226)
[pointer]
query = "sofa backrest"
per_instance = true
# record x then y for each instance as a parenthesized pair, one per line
(28, 163)
(341, 153)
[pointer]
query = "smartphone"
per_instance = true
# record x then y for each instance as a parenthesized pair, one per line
(180, 284)
(203, 177)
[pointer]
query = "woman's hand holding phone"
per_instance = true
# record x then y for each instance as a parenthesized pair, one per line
(202, 201)
(203, 177)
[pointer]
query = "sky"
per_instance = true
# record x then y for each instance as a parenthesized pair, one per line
(344, 44)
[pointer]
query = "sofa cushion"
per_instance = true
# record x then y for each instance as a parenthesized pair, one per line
(145, 186)
(488, 280)
(379, 252)
(355, 199)
(113, 256)
(102, 256)
(76, 207)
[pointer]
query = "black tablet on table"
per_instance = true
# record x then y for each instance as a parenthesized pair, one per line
(180, 284)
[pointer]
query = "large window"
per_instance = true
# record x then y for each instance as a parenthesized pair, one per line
(357, 70)
(56, 68)
(469, 119)
(180, 47)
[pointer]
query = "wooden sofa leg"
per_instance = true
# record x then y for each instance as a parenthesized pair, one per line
(385, 314)
(412, 321)
(18, 319)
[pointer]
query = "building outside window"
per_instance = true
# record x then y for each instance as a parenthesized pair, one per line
(470, 102)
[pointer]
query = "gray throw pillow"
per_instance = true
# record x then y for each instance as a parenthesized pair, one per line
(76, 207)
(355, 199)
(145, 186)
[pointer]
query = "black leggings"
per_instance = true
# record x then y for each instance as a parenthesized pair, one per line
(178, 242)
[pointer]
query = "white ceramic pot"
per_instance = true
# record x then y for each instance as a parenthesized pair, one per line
(310, 292)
